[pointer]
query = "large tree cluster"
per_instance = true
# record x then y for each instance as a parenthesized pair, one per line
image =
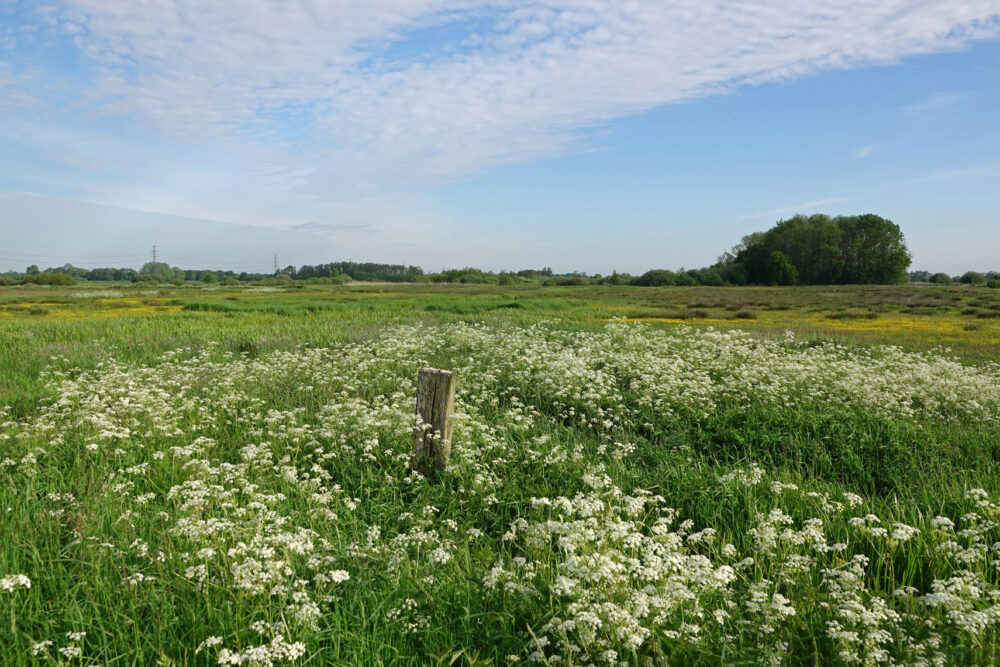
(820, 250)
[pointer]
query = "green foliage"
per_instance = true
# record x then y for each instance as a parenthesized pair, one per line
(535, 274)
(973, 278)
(108, 274)
(566, 281)
(339, 279)
(615, 279)
(54, 278)
(656, 278)
(858, 249)
(993, 284)
(780, 270)
(941, 279)
(466, 276)
(364, 271)
(711, 276)
(161, 272)
(685, 279)
(277, 280)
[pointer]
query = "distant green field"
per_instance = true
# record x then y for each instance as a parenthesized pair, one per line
(640, 476)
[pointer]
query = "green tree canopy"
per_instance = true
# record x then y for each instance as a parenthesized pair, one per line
(780, 270)
(856, 249)
(657, 278)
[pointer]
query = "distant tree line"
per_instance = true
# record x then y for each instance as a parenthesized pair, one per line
(365, 271)
(802, 250)
(967, 278)
(161, 272)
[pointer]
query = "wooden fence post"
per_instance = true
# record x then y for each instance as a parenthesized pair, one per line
(435, 403)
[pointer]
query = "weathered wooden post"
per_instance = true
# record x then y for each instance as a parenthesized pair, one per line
(435, 403)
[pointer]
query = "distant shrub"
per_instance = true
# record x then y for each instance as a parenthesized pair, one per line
(54, 278)
(279, 280)
(993, 284)
(565, 281)
(617, 279)
(37, 310)
(973, 278)
(685, 279)
(5, 281)
(231, 282)
(695, 315)
(744, 315)
(941, 279)
(709, 276)
(656, 278)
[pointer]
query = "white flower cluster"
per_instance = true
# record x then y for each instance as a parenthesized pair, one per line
(13, 581)
(629, 579)
(243, 480)
(265, 655)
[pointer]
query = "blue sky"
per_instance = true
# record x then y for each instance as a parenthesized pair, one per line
(579, 134)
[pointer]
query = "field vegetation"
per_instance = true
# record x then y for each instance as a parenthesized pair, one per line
(220, 475)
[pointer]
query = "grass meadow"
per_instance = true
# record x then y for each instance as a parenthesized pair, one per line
(639, 476)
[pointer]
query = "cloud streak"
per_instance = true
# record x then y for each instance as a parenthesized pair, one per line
(941, 101)
(864, 151)
(798, 208)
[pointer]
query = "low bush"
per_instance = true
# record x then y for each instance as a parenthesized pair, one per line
(54, 278)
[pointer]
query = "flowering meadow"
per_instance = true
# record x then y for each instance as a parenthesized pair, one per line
(617, 495)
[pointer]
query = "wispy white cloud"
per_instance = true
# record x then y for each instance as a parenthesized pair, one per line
(864, 151)
(328, 229)
(325, 102)
(940, 101)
